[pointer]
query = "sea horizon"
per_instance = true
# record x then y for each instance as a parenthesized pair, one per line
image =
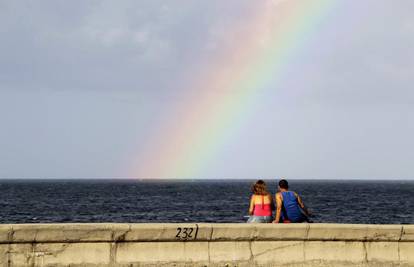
(197, 200)
(207, 179)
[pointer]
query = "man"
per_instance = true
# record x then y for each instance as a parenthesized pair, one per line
(290, 207)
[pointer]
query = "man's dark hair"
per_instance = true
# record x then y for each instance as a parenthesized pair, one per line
(283, 184)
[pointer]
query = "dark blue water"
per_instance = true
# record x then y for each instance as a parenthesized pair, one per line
(36, 201)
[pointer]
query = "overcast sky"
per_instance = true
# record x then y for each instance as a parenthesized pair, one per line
(84, 84)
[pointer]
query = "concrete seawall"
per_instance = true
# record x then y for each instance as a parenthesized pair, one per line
(206, 245)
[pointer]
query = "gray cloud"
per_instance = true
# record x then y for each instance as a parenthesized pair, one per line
(132, 44)
(83, 84)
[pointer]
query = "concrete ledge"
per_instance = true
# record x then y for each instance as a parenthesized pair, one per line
(206, 245)
(355, 232)
(407, 233)
(102, 232)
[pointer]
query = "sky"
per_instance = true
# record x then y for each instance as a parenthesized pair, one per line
(165, 89)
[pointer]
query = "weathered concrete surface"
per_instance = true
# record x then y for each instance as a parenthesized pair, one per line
(206, 245)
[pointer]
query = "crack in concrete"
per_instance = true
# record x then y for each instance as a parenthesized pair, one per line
(8, 255)
(10, 235)
(401, 233)
(274, 249)
(35, 236)
(209, 243)
(208, 252)
(364, 245)
(399, 242)
(114, 245)
(162, 232)
(55, 252)
(122, 236)
(255, 234)
(112, 252)
(29, 258)
(85, 234)
(251, 258)
(399, 255)
(304, 251)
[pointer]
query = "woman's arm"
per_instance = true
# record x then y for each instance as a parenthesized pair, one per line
(278, 208)
(251, 208)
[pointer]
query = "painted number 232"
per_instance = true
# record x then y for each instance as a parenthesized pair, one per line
(185, 233)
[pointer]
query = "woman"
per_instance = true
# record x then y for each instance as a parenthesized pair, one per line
(261, 204)
(289, 206)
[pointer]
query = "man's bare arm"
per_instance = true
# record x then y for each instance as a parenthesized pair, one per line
(278, 208)
(301, 204)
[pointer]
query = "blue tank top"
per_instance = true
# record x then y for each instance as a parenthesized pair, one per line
(291, 210)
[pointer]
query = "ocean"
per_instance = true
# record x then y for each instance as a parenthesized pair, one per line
(225, 201)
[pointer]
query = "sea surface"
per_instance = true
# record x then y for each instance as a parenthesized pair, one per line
(134, 201)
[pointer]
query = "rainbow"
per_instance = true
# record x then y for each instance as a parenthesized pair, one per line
(224, 94)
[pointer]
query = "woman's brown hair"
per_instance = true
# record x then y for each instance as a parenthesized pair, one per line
(259, 188)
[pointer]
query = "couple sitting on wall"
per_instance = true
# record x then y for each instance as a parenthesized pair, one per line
(289, 205)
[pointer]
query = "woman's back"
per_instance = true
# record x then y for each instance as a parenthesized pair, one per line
(262, 205)
(261, 201)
